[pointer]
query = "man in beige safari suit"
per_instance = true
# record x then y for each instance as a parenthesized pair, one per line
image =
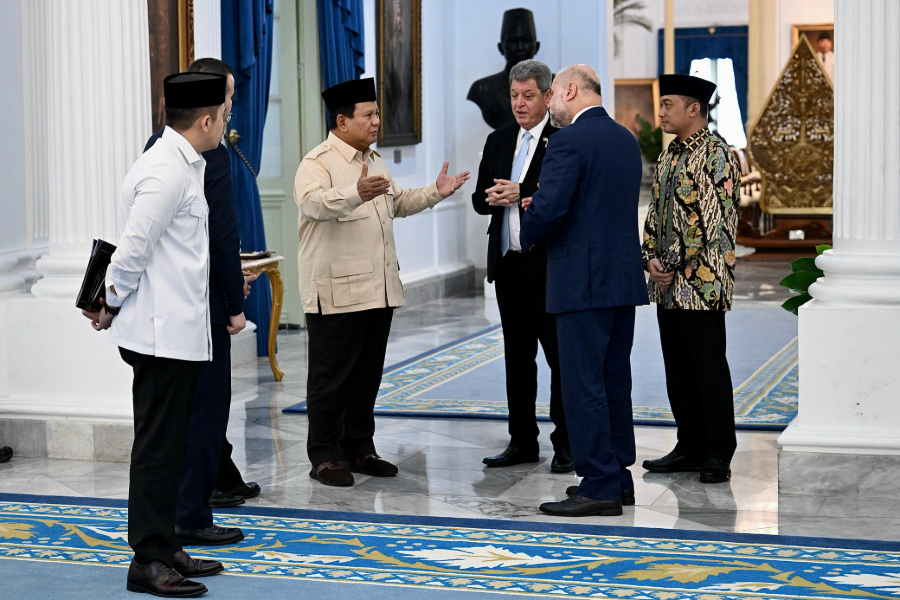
(350, 280)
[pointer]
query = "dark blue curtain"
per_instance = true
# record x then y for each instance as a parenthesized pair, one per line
(716, 42)
(247, 48)
(341, 44)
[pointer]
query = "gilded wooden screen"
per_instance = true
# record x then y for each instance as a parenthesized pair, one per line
(792, 141)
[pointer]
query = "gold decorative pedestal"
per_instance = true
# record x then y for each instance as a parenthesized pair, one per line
(269, 266)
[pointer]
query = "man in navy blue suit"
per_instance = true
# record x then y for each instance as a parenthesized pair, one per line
(587, 207)
(210, 477)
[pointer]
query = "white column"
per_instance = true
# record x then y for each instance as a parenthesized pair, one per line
(850, 333)
(98, 119)
(208, 29)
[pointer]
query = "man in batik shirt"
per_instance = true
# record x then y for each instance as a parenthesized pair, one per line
(689, 252)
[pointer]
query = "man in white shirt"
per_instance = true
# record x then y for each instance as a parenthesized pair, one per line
(509, 172)
(824, 50)
(157, 307)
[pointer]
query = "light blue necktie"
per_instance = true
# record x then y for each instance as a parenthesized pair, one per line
(514, 177)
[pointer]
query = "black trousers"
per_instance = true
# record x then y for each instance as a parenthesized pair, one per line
(346, 359)
(698, 382)
(228, 477)
(206, 439)
(521, 297)
(163, 394)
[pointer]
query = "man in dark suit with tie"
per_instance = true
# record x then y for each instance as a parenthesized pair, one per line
(587, 206)
(509, 171)
(208, 459)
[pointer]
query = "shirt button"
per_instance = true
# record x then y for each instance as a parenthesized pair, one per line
(388, 263)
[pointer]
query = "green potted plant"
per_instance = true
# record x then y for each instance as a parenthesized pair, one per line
(804, 273)
(650, 142)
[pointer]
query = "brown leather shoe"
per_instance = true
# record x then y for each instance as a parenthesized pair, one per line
(159, 580)
(332, 473)
(374, 465)
(194, 567)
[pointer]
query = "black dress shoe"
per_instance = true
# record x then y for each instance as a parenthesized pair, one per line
(245, 490)
(374, 465)
(512, 456)
(6, 453)
(562, 462)
(159, 580)
(672, 463)
(332, 473)
(211, 536)
(223, 500)
(715, 470)
(579, 506)
(627, 495)
(194, 567)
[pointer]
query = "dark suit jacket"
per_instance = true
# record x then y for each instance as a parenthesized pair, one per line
(226, 283)
(496, 163)
(587, 207)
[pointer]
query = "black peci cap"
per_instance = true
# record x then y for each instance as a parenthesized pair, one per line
(349, 92)
(686, 85)
(194, 90)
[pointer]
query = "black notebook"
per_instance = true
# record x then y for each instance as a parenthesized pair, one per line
(93, 288)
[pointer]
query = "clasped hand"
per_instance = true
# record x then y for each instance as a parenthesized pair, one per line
(503, 193)
(101, 319)
(659, 275)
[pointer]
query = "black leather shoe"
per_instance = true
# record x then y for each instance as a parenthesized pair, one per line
(194, 567)
(159, 580)
(715, 470)
(562, 462)
(6, 453)
(512, 456)
(222, 500)
(245, 490)
(374, 465)
(672, 463)
(332, 473)
(627, 495)
(211, 536)
(579, 506)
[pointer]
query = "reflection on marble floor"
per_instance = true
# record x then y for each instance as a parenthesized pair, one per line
(440, 460)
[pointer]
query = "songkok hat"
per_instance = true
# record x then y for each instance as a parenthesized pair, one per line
(347, 93)
(194, 90)
(512, 17)
(686, 85)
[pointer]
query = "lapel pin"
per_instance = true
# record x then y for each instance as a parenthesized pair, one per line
(546, 141)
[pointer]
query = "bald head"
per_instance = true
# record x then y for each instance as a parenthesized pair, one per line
(574, 88)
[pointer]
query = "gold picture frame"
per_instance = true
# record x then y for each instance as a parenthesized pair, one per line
(398, 32)
(171, 24)
(810, 30)
(637, 97)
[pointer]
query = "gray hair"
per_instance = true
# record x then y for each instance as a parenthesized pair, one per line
(532, 69)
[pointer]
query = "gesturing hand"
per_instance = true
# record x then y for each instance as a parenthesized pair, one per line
(503, 193)
(370, 188)
(659, 275)
(447, 184)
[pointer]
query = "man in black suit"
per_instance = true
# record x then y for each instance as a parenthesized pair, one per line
(509, 171)
(208, 459)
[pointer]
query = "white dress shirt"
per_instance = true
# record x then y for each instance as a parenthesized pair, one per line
(160, 270)
(515, 223)
(584, 110)
(827, 59)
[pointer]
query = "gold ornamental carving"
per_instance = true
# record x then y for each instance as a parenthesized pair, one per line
(792, 140)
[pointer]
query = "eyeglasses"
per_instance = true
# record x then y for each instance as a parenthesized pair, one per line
(228, 117)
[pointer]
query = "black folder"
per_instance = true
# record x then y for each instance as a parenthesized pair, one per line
(93, 288)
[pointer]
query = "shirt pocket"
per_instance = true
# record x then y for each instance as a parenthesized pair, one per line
(352, 281)
(389, 199)
(361, 212)
(199, 210)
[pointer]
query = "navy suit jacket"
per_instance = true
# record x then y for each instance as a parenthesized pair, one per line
(587, 207)
(226, 282)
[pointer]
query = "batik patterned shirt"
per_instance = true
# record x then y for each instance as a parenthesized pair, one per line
(692, 221)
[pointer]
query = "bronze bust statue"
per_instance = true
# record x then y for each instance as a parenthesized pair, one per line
(518, 42)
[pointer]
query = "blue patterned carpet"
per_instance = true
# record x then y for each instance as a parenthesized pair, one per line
(292, 552)
(464, 379)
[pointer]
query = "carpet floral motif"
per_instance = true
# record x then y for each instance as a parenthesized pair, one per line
(487, 560)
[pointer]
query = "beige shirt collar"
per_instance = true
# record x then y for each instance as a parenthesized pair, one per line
(348, 151)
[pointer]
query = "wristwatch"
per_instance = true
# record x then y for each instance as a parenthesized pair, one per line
(112, 310)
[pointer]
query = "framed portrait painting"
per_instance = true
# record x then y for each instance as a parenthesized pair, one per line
(637, 97)
(821, 38)
(171, 47)
(398, 26)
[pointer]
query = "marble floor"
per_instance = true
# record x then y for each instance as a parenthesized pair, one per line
(440, 460)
